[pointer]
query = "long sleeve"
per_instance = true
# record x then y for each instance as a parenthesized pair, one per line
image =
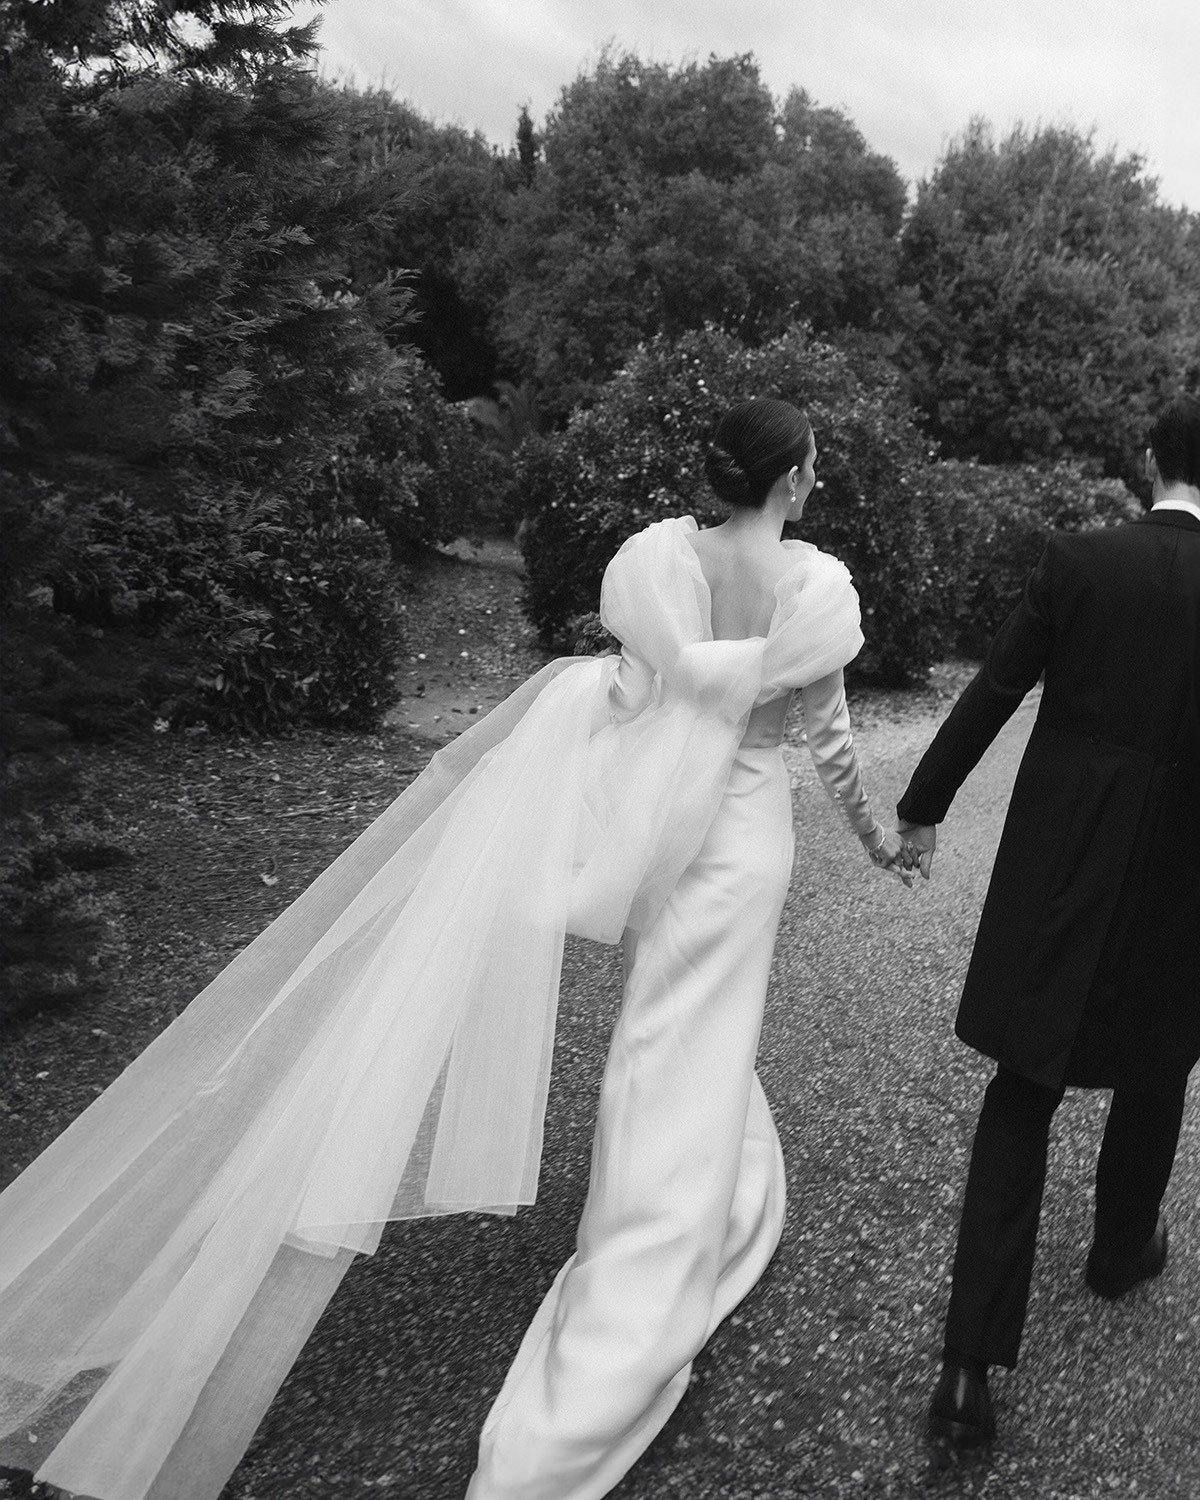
(1015, 660)
(831, 745)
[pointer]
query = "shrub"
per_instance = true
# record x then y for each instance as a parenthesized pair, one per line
(636, 456)
(51, 673)
(56, 932)
(307, 629)
(587, 636)
(990, 524)
(420, 471)
(251, 618)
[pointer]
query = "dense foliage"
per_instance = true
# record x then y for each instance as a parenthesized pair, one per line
(56, 931)
(172, 269)
(457, 189)
(636, 456)
(1038, 299)
(666, 199)
(184, 350)
(990, 524)
(420, 471)
(199, 338)
(1058, 301)
(247, 620)
(183, 354)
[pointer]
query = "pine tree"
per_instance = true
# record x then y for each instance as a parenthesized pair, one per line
(175, 251)
(528, 146)
(184, 353)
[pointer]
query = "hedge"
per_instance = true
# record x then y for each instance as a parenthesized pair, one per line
(990, 524)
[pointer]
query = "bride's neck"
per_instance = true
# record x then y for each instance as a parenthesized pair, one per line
(760, 525)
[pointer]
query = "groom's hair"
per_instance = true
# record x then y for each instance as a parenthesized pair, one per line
(1175, 441)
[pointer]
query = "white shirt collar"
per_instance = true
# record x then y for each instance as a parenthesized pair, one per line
(1192, 510)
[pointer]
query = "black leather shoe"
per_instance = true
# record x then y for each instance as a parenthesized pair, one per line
(960, 1414)
(1112, 1276)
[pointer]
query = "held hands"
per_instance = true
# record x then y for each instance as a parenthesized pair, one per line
(888, 852)
(918, 841)
(909, 848)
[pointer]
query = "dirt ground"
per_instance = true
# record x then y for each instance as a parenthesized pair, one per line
(469, 644)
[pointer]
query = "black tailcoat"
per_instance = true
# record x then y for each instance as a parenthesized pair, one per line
(1086, 966)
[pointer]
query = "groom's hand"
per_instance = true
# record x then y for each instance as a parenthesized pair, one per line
(919, 840)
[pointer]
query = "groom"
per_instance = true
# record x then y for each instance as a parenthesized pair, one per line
(1086, 966)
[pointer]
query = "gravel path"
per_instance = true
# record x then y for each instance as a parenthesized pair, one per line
(816, 1386)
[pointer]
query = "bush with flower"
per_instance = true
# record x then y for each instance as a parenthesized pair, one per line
(637, 456)
(991, 522)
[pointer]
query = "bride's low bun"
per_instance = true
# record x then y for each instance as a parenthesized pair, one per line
(728, 479)
(755, 442)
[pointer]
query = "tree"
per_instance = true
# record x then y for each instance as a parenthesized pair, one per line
(456, 186)
(671, 198)
(185, 351)
(1059, 299)
(528, 146)
(173, 254)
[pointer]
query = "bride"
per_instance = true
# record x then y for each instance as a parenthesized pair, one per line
(383, 1050)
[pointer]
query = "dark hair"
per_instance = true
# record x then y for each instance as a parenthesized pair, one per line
(1175, 441)
(755, 442)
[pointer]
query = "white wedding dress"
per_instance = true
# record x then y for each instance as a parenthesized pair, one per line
(382, 1051)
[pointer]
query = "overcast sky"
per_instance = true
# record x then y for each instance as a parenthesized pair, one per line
(910, 73)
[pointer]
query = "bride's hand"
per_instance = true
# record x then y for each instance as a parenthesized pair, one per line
(889, 854)
(919, 840)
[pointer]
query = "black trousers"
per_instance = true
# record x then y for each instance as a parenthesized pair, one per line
(997, 1237)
